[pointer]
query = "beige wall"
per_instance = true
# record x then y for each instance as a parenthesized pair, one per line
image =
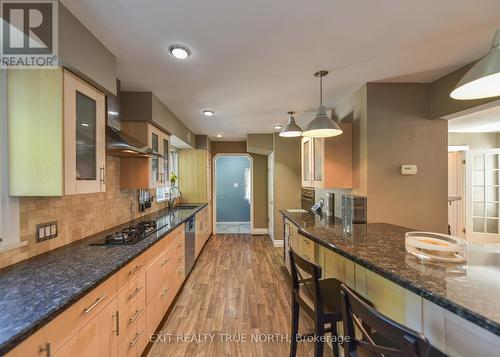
(260, 143)
(259, 177)
(399, 132)
(475, 141)
(81, 52)
(77, 216)
(287, 178)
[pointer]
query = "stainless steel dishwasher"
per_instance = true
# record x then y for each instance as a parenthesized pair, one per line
(190, 239)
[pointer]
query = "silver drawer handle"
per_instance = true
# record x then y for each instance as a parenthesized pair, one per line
(135, 292)
(165, 261)
(136, 315)
(179, 245)
(164, 292)
(136, 338)
(91, 307)
(117, 329)
(46, 349)
(133, 271)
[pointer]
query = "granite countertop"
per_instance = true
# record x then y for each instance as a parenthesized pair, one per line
(470, 290)
(35, 291)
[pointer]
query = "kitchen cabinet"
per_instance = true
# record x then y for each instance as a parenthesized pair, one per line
(56, 134)
(99, 337)
(327, 162)
(202, 230)
(146, 172)
(195, 180)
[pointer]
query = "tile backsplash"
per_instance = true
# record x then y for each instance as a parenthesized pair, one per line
(77, 216)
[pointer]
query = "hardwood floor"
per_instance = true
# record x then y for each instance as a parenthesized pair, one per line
(239, 289)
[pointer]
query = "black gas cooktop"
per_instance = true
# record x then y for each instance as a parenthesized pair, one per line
(128, 235)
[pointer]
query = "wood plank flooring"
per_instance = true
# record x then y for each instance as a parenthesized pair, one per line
(239, 289)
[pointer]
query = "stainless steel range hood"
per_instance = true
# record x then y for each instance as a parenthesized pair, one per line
(121, 144)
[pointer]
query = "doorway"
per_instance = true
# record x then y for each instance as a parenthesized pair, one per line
(233, 193)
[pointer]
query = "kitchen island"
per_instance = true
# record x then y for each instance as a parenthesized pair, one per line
(456, 306)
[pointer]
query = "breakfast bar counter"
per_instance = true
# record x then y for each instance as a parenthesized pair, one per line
(452, 304)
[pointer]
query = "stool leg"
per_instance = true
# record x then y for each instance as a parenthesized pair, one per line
(318, 343)
(295, 328)
(334, 344)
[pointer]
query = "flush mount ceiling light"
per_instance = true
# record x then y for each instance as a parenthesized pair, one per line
(208, 113)
(291, 129)
(321, 126)
(219, 135)
(278, 126)
(180, 51)
(483, 79)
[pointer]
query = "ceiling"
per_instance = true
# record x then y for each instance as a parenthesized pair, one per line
(252, 61)
(484, 121)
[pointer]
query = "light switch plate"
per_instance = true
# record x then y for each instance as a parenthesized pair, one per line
(46, 231)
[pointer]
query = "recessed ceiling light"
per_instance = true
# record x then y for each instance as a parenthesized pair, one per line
(278, 126)
(219, 135)
(208, 113)
(180, 51)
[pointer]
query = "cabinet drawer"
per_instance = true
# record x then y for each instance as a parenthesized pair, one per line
(158, 306)
(157, 272)
(307, 249)
(135, 340)
(156, 250)
(131, 270)
(131, 304)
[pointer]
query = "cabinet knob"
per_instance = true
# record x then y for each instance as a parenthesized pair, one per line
(46, 349)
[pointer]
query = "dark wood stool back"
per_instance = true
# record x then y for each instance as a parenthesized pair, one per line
(309, 282)
(376, 328)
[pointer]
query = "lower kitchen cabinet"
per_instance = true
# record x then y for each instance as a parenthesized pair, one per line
(202, 231)
(99, 337)
(118, 316)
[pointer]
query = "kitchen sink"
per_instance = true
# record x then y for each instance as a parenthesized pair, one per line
(186, 207)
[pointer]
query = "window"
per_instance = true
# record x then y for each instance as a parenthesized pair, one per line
(162, 192)
(9, 206)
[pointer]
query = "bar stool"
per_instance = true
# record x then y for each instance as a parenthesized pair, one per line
(319, 298)
(379, 335)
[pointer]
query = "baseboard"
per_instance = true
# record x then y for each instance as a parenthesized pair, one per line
(260, 231)
(279, 243)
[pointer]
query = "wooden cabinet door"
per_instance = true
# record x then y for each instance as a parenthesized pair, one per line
(84, 137)
(98, 338)
(154, 162)
(317, 161)
(164, 179)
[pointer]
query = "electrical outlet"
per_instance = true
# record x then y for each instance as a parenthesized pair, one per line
(45, 231)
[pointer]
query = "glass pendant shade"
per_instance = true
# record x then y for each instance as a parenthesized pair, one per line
(291, 130)
(483, 79)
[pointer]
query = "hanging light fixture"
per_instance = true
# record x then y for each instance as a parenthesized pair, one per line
(483, 79)
(321, 126)
(291, 129)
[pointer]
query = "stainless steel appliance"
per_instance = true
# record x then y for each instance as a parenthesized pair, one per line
(354, 210)
(189, 246)
(129, 235)
(307, 198)
(329, 208)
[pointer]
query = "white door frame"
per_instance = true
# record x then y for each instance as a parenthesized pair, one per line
(470, 235)
(214, 187)
(270, 195)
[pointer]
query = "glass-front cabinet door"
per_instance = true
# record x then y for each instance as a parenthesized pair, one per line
(317, 160)
(165, 160)
(306, 162)
(84, 130)
(155, 161)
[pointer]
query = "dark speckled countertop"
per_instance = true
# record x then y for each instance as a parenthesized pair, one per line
(36, 290)
(470, 290)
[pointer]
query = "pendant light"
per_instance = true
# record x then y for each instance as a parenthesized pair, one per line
(483, 79)
(291, 130)
(321, 126)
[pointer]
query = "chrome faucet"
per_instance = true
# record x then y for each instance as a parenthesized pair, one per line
(171, 200)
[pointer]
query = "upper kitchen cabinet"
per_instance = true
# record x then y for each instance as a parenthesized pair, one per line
(146, 172)
(56, 134)
(327, 162)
